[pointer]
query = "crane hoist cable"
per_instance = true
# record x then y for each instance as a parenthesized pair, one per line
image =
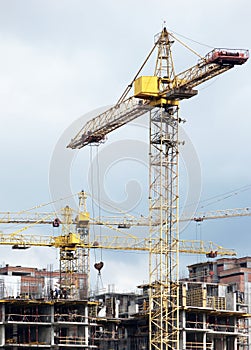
(119, 210)
(92, 196)
(98, 189)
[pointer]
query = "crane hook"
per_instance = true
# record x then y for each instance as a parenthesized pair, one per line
(56, 222)
(99, 266)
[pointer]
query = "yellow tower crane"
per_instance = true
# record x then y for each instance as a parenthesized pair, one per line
(74, 246)
(73, 242)
(76, 240)
(160, 94)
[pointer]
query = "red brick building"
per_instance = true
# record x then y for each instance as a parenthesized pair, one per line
(232, 271)
(31, 282)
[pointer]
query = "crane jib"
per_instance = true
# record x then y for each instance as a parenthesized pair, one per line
(96, 129)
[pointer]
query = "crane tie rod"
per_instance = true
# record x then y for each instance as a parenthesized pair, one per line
(128, 88)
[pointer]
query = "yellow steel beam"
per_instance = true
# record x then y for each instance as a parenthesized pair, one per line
(109, 242)
(122, 221)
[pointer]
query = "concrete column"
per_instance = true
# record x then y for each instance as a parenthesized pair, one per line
(235, 330)
(184, 295)
(204, 334)
(2, 329)
(86, 325)
(52, 312)
(248, 302)
(235, 343)
(234, 302)
(204, 341)
(183, 332)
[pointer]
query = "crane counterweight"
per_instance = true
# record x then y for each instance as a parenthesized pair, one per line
(227, 56)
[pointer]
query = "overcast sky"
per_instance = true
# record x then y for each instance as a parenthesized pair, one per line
(62, 59)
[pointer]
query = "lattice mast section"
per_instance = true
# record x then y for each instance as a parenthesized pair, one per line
(163, 207)
(68, 258)
(83, 254)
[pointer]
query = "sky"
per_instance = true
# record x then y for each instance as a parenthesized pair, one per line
(64, 61)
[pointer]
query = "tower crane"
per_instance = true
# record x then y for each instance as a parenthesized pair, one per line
(160, 95)
(122, 222)
(76, 240)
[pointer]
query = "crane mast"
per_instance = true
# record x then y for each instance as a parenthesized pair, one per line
(163, 208)
(83, 252)
(74, 250)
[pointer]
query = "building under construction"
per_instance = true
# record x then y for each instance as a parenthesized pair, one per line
(213, 314)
